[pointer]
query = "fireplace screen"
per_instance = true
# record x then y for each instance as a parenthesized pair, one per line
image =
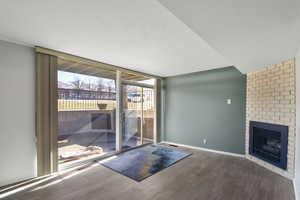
(269, 143)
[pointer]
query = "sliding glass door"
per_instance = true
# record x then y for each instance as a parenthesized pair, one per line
(100, 111)
(132, 116)
(87, 110)
(148, 115)
(138, 115)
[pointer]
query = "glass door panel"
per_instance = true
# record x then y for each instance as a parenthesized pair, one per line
(132, 116)
(138, 116)
(148, 115)
(86, 112)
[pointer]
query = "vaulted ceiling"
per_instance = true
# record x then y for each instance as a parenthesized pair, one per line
(165, 37)
(250, 33)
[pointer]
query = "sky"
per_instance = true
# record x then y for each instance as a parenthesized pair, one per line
(68, 77)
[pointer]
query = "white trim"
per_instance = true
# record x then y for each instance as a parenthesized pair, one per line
(295, 188)
(134, 83)
(205, 149)
(155, 136)
(119, 111)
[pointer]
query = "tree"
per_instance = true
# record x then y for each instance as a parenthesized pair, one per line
(100, 85)
(87, 85)
(77, 83)
(110, 85)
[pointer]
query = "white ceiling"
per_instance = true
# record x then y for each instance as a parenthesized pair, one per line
(165, 37)
(137, 34)
(250, 33)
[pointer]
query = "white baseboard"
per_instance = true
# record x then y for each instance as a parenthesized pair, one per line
(205, 149)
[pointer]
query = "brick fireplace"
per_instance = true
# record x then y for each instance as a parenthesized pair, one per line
(271, 99)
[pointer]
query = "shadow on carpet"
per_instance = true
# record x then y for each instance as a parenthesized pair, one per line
(145, 161)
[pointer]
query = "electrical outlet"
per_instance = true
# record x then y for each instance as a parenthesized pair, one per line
(228, 101)
(204, 141)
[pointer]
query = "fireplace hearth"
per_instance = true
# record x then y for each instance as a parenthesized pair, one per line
(269, 142)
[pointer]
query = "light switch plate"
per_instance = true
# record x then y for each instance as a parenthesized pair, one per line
(228, 101)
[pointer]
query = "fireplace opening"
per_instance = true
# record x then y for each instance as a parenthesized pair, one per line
(269, 143)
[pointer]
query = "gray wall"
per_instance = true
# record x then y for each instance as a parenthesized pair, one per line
(297, 163)
(197, 109)
(17, 126)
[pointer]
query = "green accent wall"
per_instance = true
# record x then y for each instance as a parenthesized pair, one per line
(196, 108)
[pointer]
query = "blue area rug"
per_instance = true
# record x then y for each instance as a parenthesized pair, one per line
(145, 161)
